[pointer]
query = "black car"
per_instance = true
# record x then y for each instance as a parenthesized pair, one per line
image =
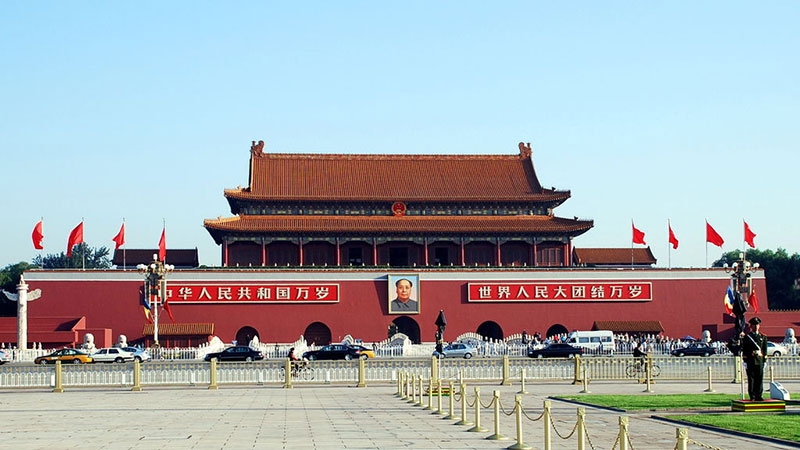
(237, 353)
(333, 351)
(695, 349)
(555, 351)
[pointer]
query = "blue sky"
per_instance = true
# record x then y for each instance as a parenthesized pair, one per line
(651, 111)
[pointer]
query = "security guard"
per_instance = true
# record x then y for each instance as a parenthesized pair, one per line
(754, 350)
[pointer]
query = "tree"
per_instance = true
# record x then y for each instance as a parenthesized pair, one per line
(83, 256)
(781, 270)
(9, 279)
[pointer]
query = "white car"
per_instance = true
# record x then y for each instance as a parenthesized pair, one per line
(4, 357)
(774, 349)
(112, 354)
(139, 354)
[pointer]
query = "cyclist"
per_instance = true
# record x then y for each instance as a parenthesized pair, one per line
(639, 354)
(297, 363)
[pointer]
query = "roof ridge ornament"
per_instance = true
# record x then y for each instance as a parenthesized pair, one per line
(525, 150)
(257, 149)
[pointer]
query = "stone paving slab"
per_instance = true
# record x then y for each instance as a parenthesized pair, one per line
(316, 417)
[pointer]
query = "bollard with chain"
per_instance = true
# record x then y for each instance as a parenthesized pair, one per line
(682, 435)
(451, 400)
(581, 428)
(463, 421)
(477, 427)
(496, 436)
(585, 382)
(505, 381)
(439, 409)
(622, 438)
(287, 374)
(418, 398)
(518, 416)
(547, 424)
(430, 396)
(362, 373)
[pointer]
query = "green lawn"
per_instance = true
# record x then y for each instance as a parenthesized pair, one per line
(781, 426)
(656, 402)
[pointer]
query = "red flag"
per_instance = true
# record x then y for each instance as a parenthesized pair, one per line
(754, 301)
(672, 239)
(162, 246)
(712, 236)
(638, 235)
(75, 238)
(119, 239)
(749, 236)
(168, 310)
(37, 236)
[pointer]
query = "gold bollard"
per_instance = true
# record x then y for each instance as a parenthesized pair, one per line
(439, 409)
(213, 375)
(522, 382)
(137, 376)
(434, 368)
(585, 383)
(710, 388)
(418, 401)
(771, 374)
(518, 416)
(623, 433)
(399, 392)
(548, 423)
(362, 373)
(477, 427)
(496, 436)
(288, 383)
(59, 387)
(450, 386)
(648, 373)
(430, 396)
(581, 428)
(682, 435)
(506, 364)
(463, 421)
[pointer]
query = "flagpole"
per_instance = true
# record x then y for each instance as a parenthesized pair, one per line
(83, 252)
(669, 245)
(124, 265)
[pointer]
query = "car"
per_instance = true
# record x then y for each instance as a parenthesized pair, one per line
(457, 350)
(333, 351)
(236, 353)
(365, 352)
(111, 355)
(775, 349)
(555, 350)
(4, 357)
(65, 355)
(695, 349)
(139, 354)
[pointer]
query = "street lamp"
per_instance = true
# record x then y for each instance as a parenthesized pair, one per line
(742, 286)
(155, 288)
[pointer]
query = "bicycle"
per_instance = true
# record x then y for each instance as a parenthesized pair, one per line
(638, 369)
(302, 372)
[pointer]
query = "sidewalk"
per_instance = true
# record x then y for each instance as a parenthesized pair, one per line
(317, 417)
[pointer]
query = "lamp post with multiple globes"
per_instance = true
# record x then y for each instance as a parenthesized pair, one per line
(155, 288)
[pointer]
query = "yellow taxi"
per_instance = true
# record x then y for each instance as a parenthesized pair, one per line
(65, 355)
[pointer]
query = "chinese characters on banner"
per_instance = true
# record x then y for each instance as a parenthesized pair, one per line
(178, 292)
(554, 292)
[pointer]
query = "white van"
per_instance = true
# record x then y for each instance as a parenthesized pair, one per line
(593, 342)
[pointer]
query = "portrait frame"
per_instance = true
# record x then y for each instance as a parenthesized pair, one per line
(393, 306)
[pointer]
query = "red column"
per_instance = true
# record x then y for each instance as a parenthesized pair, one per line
(497, 244)
(533, 254)
(374, 252)
(426, 252)
(225, 253)
(300, 247)
(463, 253)
(338, 253)
(263, 252)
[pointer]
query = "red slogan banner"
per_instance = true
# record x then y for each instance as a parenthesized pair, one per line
(558, 292)
(252, 293)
